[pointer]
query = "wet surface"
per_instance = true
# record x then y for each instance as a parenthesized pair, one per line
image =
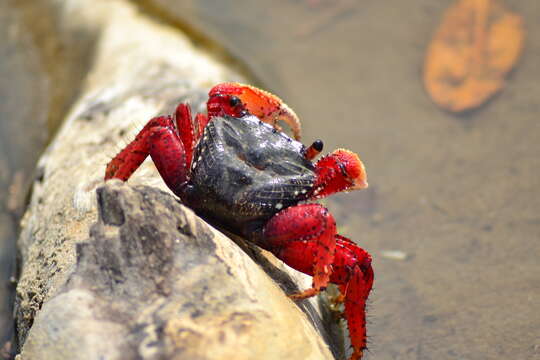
(451, 215)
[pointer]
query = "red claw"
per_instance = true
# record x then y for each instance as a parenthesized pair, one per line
(342, 170)
(266, 106)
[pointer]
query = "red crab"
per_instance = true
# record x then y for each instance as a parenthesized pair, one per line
(237, 171)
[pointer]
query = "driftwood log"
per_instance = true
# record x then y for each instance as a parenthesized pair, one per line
(124, 271)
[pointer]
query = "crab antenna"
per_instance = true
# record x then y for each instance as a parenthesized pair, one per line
(314, 149)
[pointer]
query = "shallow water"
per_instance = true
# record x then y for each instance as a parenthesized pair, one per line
(454, 197)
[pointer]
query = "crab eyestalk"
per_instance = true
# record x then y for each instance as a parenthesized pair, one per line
(314, 149)
(266, 106)
(225, 104)
(342, 170)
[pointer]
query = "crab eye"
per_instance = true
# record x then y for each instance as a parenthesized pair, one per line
(318, 145)
(234, 101)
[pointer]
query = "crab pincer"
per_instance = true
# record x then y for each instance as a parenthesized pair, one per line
(234, 168)
(264, 105)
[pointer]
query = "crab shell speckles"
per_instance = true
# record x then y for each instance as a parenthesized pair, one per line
(246, 171)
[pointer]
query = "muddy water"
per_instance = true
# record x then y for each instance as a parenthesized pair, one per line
(452, 213)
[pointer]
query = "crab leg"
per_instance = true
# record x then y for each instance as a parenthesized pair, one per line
(266, 106)
(353, 273)
(357, 293)
(160, 140)
(303, 237)
(189, 130)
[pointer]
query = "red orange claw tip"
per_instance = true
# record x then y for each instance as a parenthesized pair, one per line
(341, 170)
(353, 167)
(360, 182)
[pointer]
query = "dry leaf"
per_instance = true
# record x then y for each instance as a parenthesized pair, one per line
(476, 45)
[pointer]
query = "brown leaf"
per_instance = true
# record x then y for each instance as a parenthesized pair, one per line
(476, 45)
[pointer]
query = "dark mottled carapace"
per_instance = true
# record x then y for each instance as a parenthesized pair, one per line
(244, 171)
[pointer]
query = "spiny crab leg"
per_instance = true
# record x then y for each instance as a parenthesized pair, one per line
(266, 106)
(169, 141)
(159, 139)
(305, 238)
(353, 273)
(186, 130)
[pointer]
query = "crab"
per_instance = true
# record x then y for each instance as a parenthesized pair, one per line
(238, 170)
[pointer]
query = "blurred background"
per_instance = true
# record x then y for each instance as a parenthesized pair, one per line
(452, 214)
